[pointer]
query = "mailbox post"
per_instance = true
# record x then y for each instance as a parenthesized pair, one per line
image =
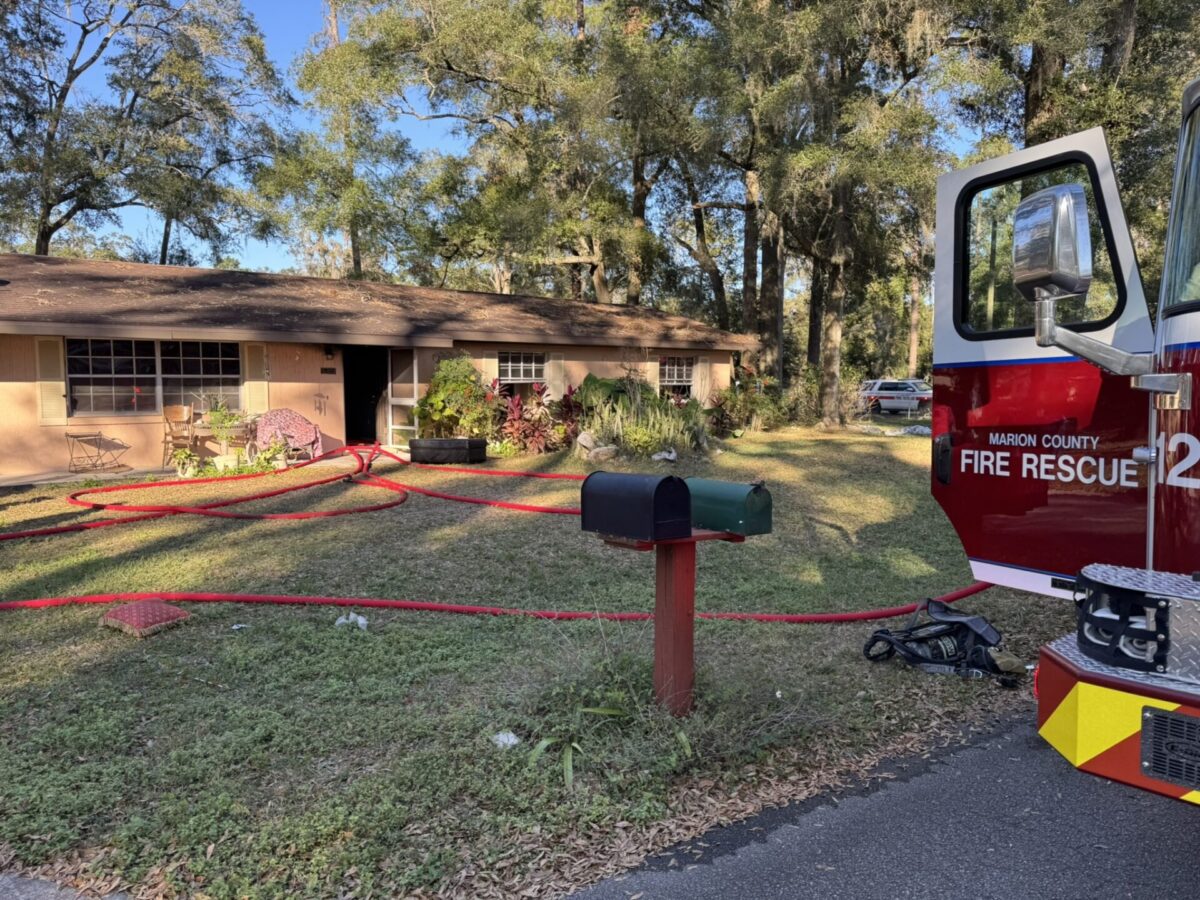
(644, 512)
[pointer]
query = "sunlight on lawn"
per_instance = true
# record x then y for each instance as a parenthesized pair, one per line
(298, 752)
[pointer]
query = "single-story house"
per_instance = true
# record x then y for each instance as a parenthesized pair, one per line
(91, 346)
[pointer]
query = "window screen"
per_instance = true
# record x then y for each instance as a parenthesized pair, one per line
(522, 368)
(675, 375)
(201, 373)
(111, 376)
(993, 304)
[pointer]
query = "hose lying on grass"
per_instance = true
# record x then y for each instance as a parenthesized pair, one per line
(363, 457)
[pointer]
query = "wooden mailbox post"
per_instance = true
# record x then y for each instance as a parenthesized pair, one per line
(652, 512)
(675, 614)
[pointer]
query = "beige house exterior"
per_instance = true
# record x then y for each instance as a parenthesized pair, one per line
(90, 347)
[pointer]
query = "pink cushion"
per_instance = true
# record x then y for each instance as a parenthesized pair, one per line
(143, 618)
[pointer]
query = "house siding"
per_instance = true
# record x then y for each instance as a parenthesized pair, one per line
(34, 449)
(606, 362)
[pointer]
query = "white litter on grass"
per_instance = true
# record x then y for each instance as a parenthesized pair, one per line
(505, 740)
(239, 626)
(919, 430)
(351, 619)
(668, 455)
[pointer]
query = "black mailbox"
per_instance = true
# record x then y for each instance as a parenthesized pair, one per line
(636, 507)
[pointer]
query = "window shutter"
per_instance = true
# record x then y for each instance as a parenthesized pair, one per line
(652, 372)
(556, 375)
(51, 381)
(702, 379)
(491, 366)
(255, 378)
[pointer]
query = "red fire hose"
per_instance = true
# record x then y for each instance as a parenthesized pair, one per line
(363, 458)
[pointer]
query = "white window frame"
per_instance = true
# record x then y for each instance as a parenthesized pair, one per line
(158, 376)
(163, 378)
(533, 360)
(676, 374)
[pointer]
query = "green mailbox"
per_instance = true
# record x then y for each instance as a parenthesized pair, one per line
(729, 506)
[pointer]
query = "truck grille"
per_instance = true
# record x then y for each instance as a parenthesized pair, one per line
(1171, 747)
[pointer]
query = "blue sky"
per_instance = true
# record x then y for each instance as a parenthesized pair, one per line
(288, 28)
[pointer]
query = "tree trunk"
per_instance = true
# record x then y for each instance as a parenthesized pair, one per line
(575, 273)
(596, 269)
(637, 259)
(600, 283)
(701, 252)
(164, 249)
(770, 301)
(41, 242)
(816, 307)
(1045, 69)
(831, 348)
(914, 324)
(1122, 30)
(750, 255)
(501, 276)
(356, 270)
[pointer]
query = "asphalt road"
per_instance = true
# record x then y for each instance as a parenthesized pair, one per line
(1007, 818)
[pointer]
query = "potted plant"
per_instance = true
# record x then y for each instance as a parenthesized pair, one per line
(274, 456)
(225, 424)
(186, 462)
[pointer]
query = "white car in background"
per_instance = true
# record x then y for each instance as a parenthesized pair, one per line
(884, 395)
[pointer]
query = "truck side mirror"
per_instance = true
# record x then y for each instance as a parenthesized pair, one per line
(1052, 258)
(1052, 244)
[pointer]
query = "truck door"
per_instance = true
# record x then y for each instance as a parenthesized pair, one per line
(1176, 525)
(1033, 447)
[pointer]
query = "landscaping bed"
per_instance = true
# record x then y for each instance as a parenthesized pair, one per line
(288, 757)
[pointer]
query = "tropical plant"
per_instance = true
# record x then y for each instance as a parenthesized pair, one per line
(530, 425)
(457, 403)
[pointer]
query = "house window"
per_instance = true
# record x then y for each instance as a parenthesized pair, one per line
(522, 368)
(128, 376)
(105, 376)
(201, 373)
(675, 375)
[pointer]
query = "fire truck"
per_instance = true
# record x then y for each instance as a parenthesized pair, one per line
(1066, 438)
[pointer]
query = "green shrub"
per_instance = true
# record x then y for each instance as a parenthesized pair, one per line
(458, 404)
(749, 408)
(503, 448)
(641, 440)
(628, 413)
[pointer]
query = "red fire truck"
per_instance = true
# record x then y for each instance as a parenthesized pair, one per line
(1066, 438)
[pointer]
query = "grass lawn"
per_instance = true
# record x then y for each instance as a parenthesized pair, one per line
(290, 758)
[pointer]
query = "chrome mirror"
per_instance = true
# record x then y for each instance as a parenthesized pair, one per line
(1052, 244)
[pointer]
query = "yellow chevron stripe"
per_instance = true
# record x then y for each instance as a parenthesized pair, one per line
(1090, 719)
(1191, 797)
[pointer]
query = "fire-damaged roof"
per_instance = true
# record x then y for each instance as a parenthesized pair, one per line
(56, 295)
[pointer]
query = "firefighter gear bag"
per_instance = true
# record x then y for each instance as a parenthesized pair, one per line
(951, 643)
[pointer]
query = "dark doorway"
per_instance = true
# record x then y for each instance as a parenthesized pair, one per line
(365, 378)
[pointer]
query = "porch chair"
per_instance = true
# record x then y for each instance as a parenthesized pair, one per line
(179, 431)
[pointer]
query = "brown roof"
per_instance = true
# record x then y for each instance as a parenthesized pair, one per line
(57, 295)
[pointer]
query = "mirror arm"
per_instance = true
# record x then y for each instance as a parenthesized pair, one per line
(1107, 357)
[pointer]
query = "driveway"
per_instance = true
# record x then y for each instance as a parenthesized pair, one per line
(1006, 818)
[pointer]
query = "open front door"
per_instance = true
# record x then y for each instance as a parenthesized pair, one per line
(1033, 447)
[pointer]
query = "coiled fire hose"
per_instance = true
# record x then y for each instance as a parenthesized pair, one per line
(363, 457)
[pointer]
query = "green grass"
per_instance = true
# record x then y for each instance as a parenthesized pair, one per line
(292, 758)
